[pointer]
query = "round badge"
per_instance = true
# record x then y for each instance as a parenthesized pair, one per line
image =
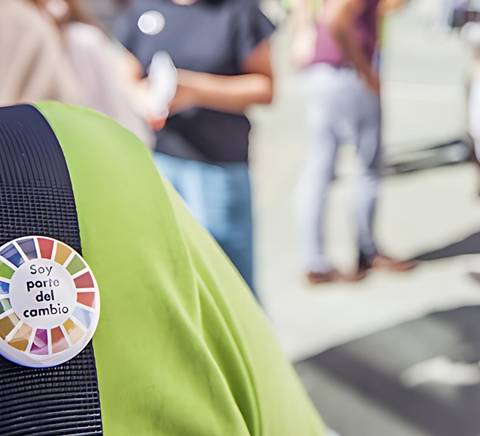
(49, 302)
(151, 23)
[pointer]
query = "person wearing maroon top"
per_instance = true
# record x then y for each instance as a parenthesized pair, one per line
(343, 106)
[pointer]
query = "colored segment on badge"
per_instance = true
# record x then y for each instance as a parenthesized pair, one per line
(76, 265)
(40, 343)
(7, 324)
(46, 247)
(5, 271)
(59, 341)
(5, 305)
(21, 338)
(75, 332)
(85, 281)
(62, 254)
(84, 316)
(4, 288)
(29, 248)
(86, 298)
(11, 254)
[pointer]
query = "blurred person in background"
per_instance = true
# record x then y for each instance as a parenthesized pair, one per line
(446, 12)
(32, 63)
(343, 105)
(222, 52)
(97, 63)
(470, 32)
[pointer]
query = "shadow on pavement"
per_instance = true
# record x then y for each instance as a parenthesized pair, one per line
(419, 378)
(454, 152)
(468, 245)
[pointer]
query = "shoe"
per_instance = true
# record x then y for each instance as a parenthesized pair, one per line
(381, 261)
(354, 277)
(316, 278)
(334, 276)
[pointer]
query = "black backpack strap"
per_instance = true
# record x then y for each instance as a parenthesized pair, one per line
(36, 198)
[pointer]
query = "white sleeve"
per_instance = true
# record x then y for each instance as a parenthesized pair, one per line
(95, 61)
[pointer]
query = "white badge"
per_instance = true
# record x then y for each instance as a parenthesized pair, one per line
(151, 23)
(49, 302)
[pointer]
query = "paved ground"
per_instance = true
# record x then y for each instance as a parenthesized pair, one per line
(420, 378)
(433, 213)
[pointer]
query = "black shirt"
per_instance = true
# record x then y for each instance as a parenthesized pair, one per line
(204, 37)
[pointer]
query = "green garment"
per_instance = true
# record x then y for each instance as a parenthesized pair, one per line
(182, 349)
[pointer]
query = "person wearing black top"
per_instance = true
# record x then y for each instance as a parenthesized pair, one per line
(222, 52)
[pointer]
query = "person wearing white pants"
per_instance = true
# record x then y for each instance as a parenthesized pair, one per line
(341, 109)
(343, 106)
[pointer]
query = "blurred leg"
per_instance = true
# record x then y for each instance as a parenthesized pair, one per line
(227, 213)
(369, 152)
(236, 234)
(219, 197)
(323, 86)
(312, 199)
(474, 113)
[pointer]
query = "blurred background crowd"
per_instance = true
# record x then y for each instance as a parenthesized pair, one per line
(329, 147)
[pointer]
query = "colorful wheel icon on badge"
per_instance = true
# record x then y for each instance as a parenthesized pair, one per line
(49, 302)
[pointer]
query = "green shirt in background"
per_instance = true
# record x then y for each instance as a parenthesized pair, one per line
(182, 349)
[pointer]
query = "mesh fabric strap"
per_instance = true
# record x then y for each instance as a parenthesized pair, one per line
(36, 198)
